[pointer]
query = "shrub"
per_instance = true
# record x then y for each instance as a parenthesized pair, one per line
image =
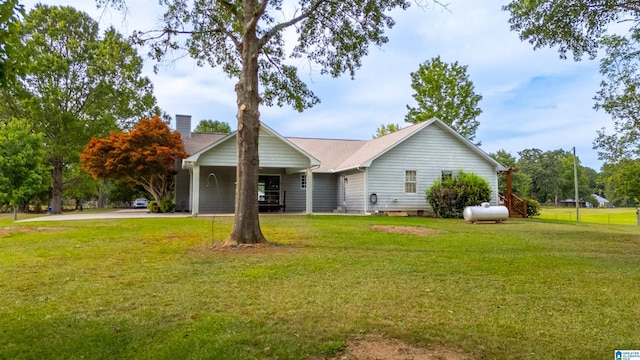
(533, 207)
(153, 207)
(442, 197)
(449, 197)
(167, 206)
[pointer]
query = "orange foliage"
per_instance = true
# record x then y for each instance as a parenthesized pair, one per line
(146, 156)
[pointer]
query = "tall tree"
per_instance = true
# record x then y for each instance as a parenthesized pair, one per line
(619, 96)
(213, 126)
(84, 186)
(246, 39)
(520, 181)
(626, 179)
(77, 84)
(21, 171)
(620, 182)
(582, 27)
(444, 91)
(145, 156)
(545, 170)
(11, 63)
(568, 182)
(386, 130)
(593, 180)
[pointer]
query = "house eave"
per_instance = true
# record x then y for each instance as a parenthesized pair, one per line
(354, 167)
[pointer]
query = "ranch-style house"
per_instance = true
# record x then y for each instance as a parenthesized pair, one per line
(312, 175)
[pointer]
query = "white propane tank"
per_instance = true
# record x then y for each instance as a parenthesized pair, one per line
(485, 212)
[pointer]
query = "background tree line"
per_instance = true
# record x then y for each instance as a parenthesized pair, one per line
(63, 82)
(548, 177)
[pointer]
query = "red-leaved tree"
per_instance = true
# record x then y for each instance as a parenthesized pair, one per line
(146, 156)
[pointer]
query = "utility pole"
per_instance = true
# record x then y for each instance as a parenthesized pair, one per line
(575, 180)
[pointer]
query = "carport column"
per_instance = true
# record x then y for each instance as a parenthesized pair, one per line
(309, 176)
(366, 191)
(195, 181)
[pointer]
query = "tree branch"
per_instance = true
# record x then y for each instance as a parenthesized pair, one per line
(69, 183)
(274, 30)
(262, 7)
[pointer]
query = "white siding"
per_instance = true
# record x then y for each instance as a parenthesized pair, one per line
(273, 152)
(224, 154)
(428, 152)
(354, 187)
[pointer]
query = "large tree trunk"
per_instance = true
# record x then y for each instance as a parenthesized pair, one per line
(246, 225)
(56, 174)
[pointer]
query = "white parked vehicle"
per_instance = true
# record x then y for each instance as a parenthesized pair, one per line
(140, 203)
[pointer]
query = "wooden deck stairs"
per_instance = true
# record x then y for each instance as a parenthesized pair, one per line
(517, 206)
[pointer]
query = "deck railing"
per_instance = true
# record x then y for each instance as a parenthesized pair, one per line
(517, 206)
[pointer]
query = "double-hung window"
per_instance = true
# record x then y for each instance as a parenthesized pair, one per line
(410, 181)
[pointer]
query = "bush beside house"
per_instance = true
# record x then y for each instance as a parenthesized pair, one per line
(449, 197)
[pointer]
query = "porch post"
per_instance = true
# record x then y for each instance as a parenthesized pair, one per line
(366, 192)
(195, 199)
(309, 192)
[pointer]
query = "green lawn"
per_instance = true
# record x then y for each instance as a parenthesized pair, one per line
(618, 216)
(153, 288)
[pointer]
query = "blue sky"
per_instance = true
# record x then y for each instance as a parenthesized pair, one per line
(531, 99)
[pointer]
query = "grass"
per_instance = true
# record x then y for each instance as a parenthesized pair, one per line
(153, 288)
(619, 216)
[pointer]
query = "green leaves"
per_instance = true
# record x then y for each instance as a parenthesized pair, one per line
(336, 35)
(11, 62)
(448, 198)
(551, 175)
(21, 169)
(582, 27)
(211, 126)
(386, 130)
(444, 91)
(333, 36)
(521, 181)
(76, 84)
(619, 96)
(574, 26)
(626, 178)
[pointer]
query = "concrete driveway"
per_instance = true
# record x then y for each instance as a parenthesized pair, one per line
(117, 214)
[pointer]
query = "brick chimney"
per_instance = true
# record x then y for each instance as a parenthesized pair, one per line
(183, 125)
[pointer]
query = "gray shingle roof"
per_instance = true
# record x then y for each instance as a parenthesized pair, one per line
(199, 141)
(330, 152)
(376, 147)
(337, 154)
